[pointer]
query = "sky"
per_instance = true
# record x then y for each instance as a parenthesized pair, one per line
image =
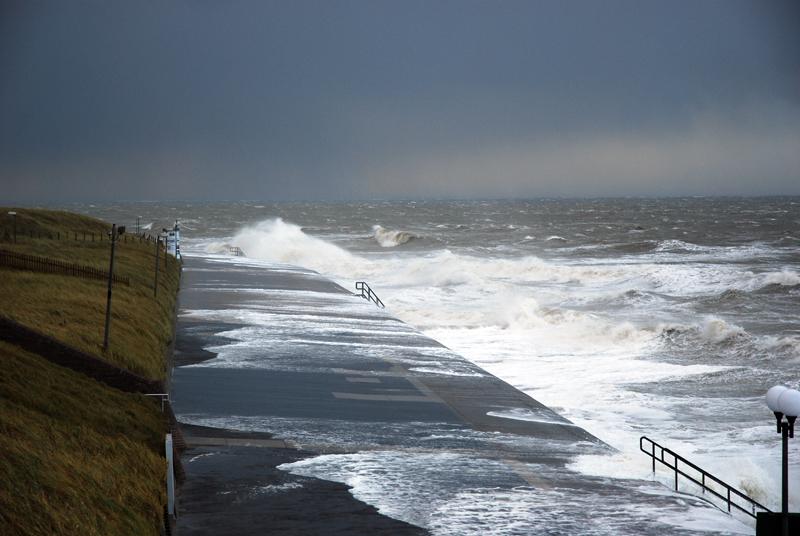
(338, 100)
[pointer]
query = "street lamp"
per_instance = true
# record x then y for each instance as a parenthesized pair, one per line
(785, 404)
(113, 235)
(155, 281)
(14, 214)
(165, 233)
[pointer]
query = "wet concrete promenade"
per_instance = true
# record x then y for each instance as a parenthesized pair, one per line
(278, 365)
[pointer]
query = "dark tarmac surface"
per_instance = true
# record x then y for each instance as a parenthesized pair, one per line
(301, 367)
(236, 489)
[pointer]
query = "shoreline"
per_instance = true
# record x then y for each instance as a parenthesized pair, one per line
(331, 393)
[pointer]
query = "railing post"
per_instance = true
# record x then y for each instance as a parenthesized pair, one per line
(654, 457)
(676, 473)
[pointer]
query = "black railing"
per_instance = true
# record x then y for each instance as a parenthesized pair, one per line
(367, 293)
(236, 251)
(728, 493)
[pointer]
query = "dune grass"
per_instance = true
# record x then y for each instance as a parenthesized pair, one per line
(76, 456)
(73, 309)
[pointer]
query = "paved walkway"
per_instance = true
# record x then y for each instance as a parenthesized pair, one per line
(301, 367)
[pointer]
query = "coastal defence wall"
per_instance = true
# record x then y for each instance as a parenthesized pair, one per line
(292, 389)
(328, 372)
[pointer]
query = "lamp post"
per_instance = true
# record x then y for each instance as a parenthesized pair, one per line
(14, 215)
(155, 282)
(113, 235)
(165, 233)
(785, 404)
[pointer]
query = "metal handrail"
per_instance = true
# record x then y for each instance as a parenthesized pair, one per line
(368, 294)
(704, 475)
(236, 251)
(163, 397)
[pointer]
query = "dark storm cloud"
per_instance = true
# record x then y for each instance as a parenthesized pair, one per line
(330, 100)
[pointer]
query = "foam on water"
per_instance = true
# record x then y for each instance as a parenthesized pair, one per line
(525, 414)
(464, 494)
(657, 333)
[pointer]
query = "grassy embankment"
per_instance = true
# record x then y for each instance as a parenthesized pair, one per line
(76, 456)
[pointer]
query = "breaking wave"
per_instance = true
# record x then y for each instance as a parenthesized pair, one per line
(784, 278)
(282, 242)
(492, 286)
(718, 331)
(710, 330)
(388, 238)
(679, 246)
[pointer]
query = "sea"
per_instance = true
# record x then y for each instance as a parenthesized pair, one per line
(668, 318)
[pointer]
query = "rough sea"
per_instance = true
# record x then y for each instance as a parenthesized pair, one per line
(661, 317)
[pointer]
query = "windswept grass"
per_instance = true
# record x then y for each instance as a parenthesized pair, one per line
(73, 309)
(76, 456)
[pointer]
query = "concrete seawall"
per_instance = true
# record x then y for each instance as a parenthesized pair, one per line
(276, 364)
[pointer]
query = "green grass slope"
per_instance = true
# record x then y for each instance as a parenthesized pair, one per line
(76, 456)
(72, 309)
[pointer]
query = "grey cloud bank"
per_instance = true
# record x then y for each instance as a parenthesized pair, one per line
(349, 100)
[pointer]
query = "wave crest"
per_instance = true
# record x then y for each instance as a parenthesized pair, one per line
(282, 242)
(388, 238)
(717, 331)
(784, 278)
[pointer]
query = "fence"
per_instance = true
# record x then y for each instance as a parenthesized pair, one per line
(35, 263)
(10, 235)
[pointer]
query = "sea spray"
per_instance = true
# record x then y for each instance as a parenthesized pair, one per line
(278, 241)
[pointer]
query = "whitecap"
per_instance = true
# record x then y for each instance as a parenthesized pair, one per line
(388, 238)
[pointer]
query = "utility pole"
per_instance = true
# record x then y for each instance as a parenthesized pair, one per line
(110, 285)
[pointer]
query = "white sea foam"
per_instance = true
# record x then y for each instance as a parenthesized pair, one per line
(717, 330)
(471, 495)
(528, 415)
(786, 278)
(279, 241)
(544, 326)
(789, 345)
(679, 245)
